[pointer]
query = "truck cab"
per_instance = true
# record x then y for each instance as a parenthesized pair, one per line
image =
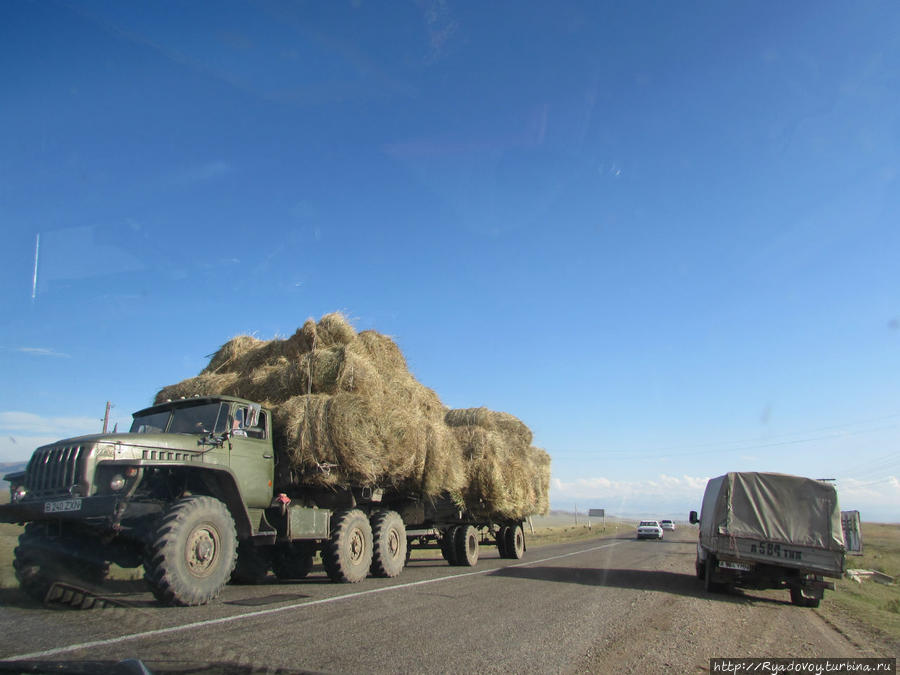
(107, 497)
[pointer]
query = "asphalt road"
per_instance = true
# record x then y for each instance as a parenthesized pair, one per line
(607, 605)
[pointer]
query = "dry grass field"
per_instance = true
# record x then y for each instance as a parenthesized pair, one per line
(874, 604)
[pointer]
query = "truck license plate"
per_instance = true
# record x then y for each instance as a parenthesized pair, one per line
(62, 506)
(727, 564)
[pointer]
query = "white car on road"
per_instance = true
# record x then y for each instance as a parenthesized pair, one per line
(667, 525)
(649, 529)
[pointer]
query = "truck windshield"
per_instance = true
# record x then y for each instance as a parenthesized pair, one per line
(197, 419)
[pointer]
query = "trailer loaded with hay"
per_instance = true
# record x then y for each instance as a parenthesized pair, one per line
(322, 443)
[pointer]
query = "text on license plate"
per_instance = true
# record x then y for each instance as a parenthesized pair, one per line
(727, 564)
(62, 506)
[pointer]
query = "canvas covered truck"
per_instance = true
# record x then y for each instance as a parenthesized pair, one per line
(770, 530)
(198, 493)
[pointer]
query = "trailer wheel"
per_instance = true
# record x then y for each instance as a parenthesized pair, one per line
(193, 552)
(500, 538)
(465, 544)
(40, 560)
(390, 549)
(293, 560)
(515, 542)
(348, 553)
(448, 548)
(800, 599)
(252, 565)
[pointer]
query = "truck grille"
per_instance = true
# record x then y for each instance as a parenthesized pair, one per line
(54, 470)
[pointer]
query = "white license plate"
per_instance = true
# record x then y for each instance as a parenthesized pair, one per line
(728, 565)
(62, 506)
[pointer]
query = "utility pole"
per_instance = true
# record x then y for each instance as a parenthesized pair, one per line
(106, 417)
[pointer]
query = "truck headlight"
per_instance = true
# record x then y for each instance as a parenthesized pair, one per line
(117, 482)
(18, 493)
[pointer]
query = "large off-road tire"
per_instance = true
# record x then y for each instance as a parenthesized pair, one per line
(465, 543)
(293, 561)
(515, 542)
(192, 552)
(800, 599)
(500, 539)
(448, 549)
(253, 563)
(348, 554)
(40, 560)
(390, 546)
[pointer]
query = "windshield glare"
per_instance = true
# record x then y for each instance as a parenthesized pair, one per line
(198, 419)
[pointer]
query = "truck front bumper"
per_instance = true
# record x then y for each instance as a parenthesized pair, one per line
(104, 507)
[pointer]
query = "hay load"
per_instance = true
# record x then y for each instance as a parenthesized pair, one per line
(346, 411)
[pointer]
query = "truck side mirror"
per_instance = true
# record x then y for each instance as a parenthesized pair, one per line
(251, 415)
(693, 519)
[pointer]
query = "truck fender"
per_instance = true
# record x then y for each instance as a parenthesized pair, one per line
(221, 484)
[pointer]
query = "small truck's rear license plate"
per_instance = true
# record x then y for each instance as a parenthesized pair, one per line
(62, 506)
(728, 565)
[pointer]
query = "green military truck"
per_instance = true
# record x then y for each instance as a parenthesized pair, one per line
(195, 493)
(770, 530)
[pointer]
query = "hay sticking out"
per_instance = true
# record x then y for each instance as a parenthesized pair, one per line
(347, 412)
(203, 385)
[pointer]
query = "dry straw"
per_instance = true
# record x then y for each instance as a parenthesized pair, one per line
(347, 411)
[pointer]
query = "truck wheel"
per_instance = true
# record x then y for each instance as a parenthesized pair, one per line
(700, 569)
(800, 599)
(500, 538)
(252, 565)
(709, 585)
(390, 550)
(192, 553)
(515, 542)
(448, 549)
(465, 544)
(348, 554)
(40, 560)
(293, 561)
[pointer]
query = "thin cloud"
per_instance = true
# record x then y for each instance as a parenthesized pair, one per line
(19, 424)
(203, 173)
(42, 351)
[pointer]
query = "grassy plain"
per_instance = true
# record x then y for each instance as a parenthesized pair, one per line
(876, 605)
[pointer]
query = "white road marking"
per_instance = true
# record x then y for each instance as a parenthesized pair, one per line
(276, 610)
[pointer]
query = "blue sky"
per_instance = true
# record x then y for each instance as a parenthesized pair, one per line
(665, 235)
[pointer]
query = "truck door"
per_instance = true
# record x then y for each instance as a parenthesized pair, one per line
(850, 523)
(251, 458)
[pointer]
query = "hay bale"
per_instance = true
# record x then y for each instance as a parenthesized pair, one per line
(505, 478)
(539, 470)
(444, 469)
(331, 440)
(230, 356)
(334, 329)
(491, 421)
(382, 351)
